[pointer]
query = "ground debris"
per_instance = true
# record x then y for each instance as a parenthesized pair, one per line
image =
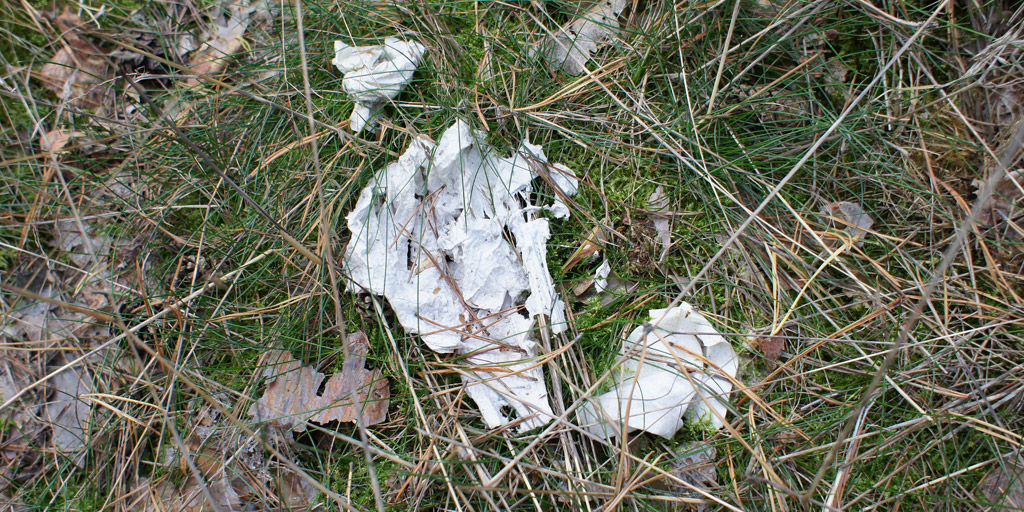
(571, 46)
(68, 413)
(50, 311)
(1003, 486)
(223, 38)
(849, 217)
(658, 204)
(158, 33)
(667, 378)
(996, 66)
(450, 236)
(770, 346)
(78, 73)
(695, 470)
(375, 75)
(80, 246)
(19, 453)
(225, 470)
(291, 398)
(604, 287)
(12, 502)
(54, 141)
(229, 493)
(1004, 210)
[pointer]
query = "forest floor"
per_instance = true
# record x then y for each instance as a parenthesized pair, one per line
(834, 186)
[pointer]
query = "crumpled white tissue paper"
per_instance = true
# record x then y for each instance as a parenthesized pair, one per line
(652, 393)
(448, 235)
(375, 74)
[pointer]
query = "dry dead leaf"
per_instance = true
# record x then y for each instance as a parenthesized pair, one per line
(160, 36)
(696, 467)
(658, 204)
(849, 217)
(1004, 486)
(598, 285)
(1005, 209)
(230, 494)
(571, 47)
(770, 346)
(225, 38)
(54, 141)
(232, 467)
(582, 287)
(291, 397)
(588, 249)
(29, 322)
(68, 238)
(20, 443)
(78, 73)
(165, 496)
(27, 319)
(68, 414)
(296, 492)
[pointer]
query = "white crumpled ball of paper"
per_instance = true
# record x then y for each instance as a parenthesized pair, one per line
(375, 74)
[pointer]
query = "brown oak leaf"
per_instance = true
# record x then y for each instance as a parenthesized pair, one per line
(291, 398)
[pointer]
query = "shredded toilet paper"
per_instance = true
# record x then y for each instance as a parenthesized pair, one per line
(665, 380)
(448, 234)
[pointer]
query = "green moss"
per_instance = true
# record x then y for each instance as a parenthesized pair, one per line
(600, 339)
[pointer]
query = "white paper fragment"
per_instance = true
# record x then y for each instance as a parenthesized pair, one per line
(375, 74)
(652, 393)
(448, 234)
(560, 176)
(601, 277)
(852, 219)
(571, 47)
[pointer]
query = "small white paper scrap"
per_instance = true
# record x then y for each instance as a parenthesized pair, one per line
(652, 393)
(449, 236)
(375, 74)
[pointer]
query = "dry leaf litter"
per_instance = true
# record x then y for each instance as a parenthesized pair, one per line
(233, 475)
(223, 37)
(1004, 211)
(53, 316)
(291, 398)
(78, 73)
(849, 217)
(1003, 486)
(572, 46)
(694, 469)
(471, 275)
(659, 205)
(100, 268)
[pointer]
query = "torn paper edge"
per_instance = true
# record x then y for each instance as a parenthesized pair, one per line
(375, 74)
(449, 236)
(651, 393)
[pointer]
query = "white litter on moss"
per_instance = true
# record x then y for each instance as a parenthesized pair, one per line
(375, 74)
(666, 381)
(448, 234)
